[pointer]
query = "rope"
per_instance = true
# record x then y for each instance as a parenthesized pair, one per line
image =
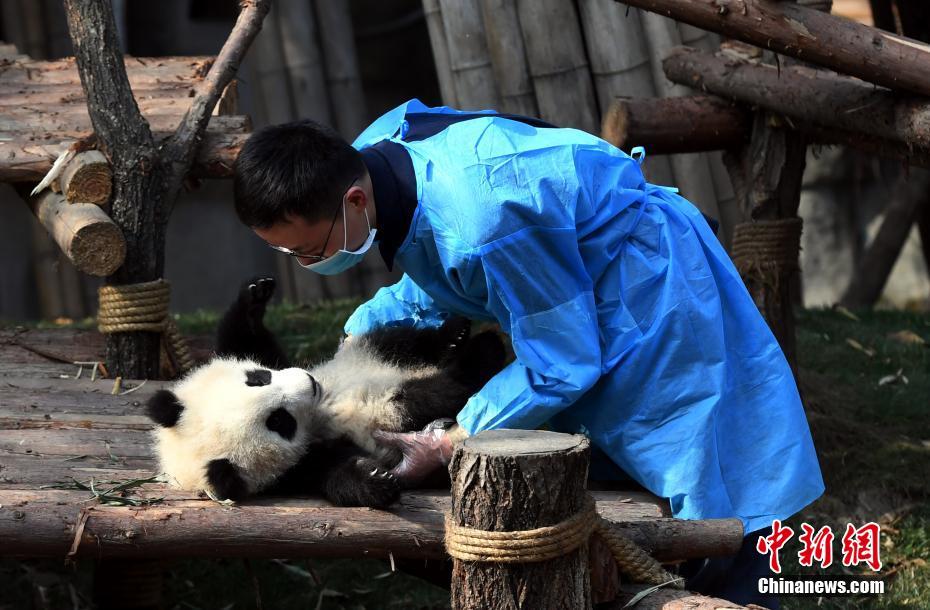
(143, 307)
(767, 250)
(545, 543)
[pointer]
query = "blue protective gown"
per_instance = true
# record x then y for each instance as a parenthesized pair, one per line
(628, 320)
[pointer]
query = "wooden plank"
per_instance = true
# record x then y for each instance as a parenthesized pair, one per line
(67, 442)
(27, 471)
(141, 71)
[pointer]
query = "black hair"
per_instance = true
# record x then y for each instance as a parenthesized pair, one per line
(300, 168)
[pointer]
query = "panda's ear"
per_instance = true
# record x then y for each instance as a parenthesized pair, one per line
(164, 408)
(225, 480)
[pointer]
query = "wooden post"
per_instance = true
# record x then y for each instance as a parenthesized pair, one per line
(558, 64)
(469, 58)
(344, 83)
(508, 57)
(620, 65)
(83, 231)
(440, 46)
(512, 480)
(807, 34)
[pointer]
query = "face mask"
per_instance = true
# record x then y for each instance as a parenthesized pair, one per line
(343, 259)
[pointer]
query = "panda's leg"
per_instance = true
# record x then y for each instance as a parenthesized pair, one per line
(443, 395)
(417, 346)
(242, 332)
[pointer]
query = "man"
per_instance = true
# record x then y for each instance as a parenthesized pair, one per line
(628, 321)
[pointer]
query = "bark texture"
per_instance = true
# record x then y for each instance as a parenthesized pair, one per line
(805, 33)
(512, 480)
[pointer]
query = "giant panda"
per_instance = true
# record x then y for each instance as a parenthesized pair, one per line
(246, 422)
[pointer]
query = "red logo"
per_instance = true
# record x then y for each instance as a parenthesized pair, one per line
(860, 545)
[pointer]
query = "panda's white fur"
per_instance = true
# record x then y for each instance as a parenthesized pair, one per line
(223, 417)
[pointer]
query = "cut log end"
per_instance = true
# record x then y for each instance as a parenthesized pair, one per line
(98, 248)
(509, 443)
(87, 179)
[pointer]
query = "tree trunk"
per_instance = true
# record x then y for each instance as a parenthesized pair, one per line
(806, 94)
(138, 176)
(911, 197)
(147, 179)
(810, 35)
(513, 480)
(676, 124)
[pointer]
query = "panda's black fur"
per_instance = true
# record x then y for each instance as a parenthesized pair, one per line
(442, 367)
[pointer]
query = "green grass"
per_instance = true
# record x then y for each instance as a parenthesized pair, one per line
(873, 441)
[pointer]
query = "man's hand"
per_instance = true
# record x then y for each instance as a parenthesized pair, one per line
(424, 451)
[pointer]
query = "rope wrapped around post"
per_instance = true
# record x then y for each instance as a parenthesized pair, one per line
(767, 250)
(545, 543)
(143, 307)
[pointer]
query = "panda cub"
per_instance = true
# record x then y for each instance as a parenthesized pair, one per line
(246, 422)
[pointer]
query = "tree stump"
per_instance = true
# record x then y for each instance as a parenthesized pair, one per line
(514, 480)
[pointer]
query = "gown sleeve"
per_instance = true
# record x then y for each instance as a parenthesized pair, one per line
(402, 304)
(540, 289)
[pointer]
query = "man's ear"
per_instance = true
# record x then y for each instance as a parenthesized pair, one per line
(164, 408)
(224, 478)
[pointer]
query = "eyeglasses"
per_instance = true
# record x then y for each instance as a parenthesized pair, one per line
(318, 257)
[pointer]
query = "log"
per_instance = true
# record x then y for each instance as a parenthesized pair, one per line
(842, 45)
(86, 179)
(513, 480)
(676, 124)
(71, 94)
(911, 196)
(42, 523)
(83, 231)
(655, 123)
(469, 58)
(508, 57)
(800, 92)
(25, 160)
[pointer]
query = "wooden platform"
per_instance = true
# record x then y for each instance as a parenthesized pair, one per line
(55, 429)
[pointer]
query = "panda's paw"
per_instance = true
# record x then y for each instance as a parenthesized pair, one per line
(376, 486)
(454, 333)
(259, 290)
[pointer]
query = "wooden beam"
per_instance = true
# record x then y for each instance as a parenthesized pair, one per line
(28, 160)
(676, 124)
(43, 524)
(842, 45)
(800, 92)
(83, 231)
(708, 123)
(141, 71)
(76, 124)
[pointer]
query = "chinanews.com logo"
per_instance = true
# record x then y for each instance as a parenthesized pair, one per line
(860, 547)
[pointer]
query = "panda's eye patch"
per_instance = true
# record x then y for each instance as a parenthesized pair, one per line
(282, 422)
(257, 377)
